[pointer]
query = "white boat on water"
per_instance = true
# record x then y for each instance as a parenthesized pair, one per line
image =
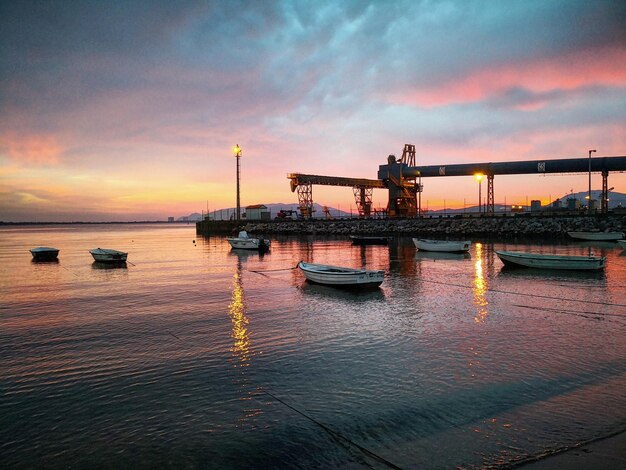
(104, 255)
(448, 246)
(536, 260)
(245, 242)
(44, 253)
(341, 277)
(605, 236)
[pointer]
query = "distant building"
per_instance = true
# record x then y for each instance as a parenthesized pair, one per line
(557, 204)
(572, 203)
(535, 205)
(170, 219)
(257, 212)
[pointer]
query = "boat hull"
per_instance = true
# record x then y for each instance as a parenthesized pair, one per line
(103, 255)
(534, 260)
(341, 277)
(356, 240)
(622, 244)
(249, 243)
(597, 236)
(443, 246)
(44, 253)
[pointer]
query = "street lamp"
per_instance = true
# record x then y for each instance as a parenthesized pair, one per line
(479, 178)
(589, 202)
(237, 152)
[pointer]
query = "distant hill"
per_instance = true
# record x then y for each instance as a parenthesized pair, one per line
(191, 217)
(227, 213)
(615, 199)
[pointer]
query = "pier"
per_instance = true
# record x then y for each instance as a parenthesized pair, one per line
(528, 225)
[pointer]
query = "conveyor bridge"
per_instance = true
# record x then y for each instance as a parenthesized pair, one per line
(403, 180)
(362, 189)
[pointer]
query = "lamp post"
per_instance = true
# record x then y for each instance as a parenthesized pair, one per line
(237, 152)
(479, 178)
(589, 201)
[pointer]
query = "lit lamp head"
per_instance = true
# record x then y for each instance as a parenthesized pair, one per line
(237, 150)
(479, 177)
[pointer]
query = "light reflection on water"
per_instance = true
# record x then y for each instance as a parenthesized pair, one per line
(454, 361)
(480, 286)
(237, 310)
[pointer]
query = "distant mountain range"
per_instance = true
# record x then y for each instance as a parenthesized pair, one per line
(228, 213)
(615, 200)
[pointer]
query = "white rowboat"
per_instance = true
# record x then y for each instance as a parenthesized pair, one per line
(44, 253)
(104, 255)
(448, 246)
(341, 277)
(606, 236)
(536, 260)
(245, 242)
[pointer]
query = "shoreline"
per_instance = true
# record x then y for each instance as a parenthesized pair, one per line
(606, 452)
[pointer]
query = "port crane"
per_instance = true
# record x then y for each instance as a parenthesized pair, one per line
(402, 178)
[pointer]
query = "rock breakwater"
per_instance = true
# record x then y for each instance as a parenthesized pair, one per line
(509, 226)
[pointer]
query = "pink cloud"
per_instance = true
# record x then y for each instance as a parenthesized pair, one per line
(31, 149)
(582, 68)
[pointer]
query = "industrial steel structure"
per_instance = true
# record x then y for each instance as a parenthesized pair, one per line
(403, 180)
(362, 189)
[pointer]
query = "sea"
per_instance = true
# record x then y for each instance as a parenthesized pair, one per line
(192, 355)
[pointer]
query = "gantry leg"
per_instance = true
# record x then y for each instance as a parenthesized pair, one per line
(363, 199)
(605, 192)
(490, 198)
(305, 200)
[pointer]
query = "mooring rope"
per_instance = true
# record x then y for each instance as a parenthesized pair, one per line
(271, 270)
(560, 450)
(528, 295)
(333, 433)
(579, 313)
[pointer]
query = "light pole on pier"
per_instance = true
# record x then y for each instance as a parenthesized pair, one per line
(237, 152)
(479, 178)
(589, 196)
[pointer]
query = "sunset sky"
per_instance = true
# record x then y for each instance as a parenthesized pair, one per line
(129, 110)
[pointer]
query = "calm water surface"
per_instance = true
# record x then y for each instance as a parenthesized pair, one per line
(197, 356)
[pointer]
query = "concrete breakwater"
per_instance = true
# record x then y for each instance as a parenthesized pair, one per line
(556, 226)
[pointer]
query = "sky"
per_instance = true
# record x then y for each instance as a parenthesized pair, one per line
(128, 110)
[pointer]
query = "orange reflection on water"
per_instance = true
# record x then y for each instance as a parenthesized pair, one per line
(480, 286)
(237, 312)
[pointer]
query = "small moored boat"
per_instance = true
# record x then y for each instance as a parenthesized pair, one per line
(536, 260)
(105, 255)
(449, 246)
(605, 236)
(245, 242)
(44, 253)
(363, 240)
(338, 276)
